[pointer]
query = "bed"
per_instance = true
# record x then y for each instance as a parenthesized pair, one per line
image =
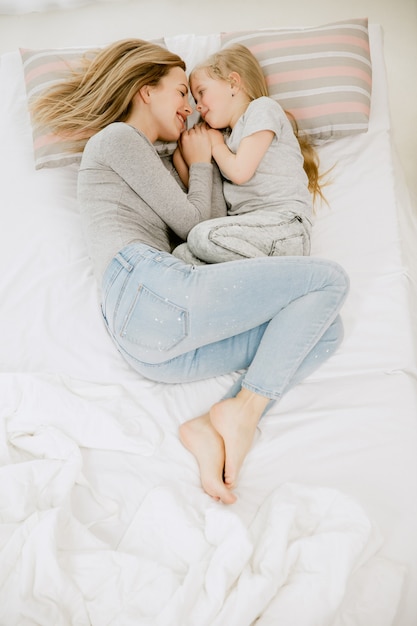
(103, 519)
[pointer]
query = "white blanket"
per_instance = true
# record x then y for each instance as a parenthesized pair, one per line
(161, 552)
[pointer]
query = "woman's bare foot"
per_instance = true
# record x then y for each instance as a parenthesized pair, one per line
(236, 419)
(204, 442)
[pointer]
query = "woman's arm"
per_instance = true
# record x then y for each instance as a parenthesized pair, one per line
(181, 166)
(240, 167)
(218, 202)
(135, 161)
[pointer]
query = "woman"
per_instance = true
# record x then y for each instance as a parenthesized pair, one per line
(275, 317)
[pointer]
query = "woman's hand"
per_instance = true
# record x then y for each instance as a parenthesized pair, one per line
(195, 145)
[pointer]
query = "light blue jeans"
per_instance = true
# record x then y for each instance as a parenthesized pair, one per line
(275, 317)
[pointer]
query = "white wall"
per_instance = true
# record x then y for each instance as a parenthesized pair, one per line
(104, 22)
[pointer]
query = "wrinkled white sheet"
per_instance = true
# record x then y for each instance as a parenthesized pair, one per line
(178, 558)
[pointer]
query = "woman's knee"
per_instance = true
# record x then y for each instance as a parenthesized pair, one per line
(342, 278)
(333, 273)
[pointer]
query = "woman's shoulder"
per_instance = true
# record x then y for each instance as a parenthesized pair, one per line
(118, 134)
(117, 138)
(117, 129)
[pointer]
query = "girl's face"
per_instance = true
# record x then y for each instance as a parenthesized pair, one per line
(170, 105)
(213, 98)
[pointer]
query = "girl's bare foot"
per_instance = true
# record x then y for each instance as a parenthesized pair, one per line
(236, 419)
(204, 442)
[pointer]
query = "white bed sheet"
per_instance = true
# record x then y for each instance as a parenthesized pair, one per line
(103, 518)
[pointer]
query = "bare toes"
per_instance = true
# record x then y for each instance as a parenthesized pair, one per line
(206, 444)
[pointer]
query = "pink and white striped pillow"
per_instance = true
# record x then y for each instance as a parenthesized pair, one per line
(41, 69)
(323, 75)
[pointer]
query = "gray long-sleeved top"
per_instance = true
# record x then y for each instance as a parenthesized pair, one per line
(127, 193)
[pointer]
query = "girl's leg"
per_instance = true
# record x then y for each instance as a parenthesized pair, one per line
(184, 253)
(255, 234)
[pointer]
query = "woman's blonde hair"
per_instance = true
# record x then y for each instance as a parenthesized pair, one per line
(101, 90)
(238, 58)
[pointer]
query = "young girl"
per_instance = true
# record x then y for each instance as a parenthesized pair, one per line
(269, 175)
(278, 318)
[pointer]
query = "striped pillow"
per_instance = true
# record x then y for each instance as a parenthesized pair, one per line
(41, 69)
(322, 76)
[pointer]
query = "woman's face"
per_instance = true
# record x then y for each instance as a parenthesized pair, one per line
(170, 105)
(213, 98)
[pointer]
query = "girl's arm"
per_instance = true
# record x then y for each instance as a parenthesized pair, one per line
(240, 167)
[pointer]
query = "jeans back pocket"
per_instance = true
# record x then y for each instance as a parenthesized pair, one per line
(152, 322)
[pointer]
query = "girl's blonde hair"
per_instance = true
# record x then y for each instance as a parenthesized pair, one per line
(238, 58)
(101, 90)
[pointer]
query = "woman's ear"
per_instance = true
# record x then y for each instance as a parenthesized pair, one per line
(145, 93)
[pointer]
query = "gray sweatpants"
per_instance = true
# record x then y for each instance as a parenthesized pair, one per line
(255, 234)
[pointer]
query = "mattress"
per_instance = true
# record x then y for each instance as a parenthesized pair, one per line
(103, 519)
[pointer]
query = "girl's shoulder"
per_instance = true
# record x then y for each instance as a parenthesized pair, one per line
(268, 103)
(265, 104)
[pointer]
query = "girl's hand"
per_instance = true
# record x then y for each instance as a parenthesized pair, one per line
(216, 137)
(195, 145)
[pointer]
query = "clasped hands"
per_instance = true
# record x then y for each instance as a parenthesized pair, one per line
(196, 144)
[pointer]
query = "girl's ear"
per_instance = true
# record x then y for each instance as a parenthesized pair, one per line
(235, 80)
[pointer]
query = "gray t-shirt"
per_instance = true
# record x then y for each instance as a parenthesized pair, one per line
(280, 181)
(127, 193)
